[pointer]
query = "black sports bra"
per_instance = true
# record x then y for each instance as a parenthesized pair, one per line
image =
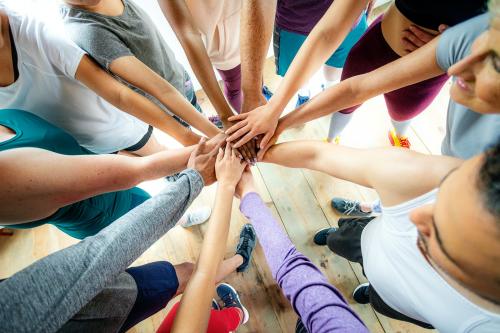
(431, 13)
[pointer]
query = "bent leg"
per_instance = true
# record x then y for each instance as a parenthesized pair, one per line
(232, 86)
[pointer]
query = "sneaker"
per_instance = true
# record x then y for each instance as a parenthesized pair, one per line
(322, 234)
(196, 217)
(348, 207)
(266, 92)
(215, 305)
(231, 299)
(216, 121)
(361, 295)
(245, 246)
(302, 100)
(398, 141)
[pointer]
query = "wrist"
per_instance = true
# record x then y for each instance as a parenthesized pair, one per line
(225, 184)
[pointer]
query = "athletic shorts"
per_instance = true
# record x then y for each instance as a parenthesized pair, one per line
(287, 44)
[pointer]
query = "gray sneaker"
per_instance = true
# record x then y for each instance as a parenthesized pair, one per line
(348, 207)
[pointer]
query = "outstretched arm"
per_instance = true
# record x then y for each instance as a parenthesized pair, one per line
(62, 283)
(46, 181)
(368, 167)
(320, 306)
(323, 40)
(256, 27)
(125, 99)
(178, 15)
(181, 21)
(194, 309)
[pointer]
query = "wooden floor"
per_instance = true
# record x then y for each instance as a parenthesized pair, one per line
(299, 200)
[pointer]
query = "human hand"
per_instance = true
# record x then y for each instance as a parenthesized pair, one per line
(248, 151)
(262, 120)
(246, 184)
(228, 167)
(262, 152)
(203, 159)
(415, 37)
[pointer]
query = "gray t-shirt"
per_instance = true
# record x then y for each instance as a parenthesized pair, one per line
(468, 133)
(107, 38)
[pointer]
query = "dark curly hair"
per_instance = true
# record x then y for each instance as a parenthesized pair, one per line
(489, 180)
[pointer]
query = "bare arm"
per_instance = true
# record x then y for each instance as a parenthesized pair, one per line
(415, 67)
(368, 167)
(320, 44)
(125, 99)
(194, 309)
(181, 21)
(141, 76)
(256, 27)
(45, 181)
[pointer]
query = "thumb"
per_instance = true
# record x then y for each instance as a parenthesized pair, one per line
(265, 139)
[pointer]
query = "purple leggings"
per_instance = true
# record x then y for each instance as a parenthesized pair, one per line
(232, 86)
(372, 52)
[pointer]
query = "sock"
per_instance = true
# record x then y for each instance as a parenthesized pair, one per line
(337, 124)
(400, 127)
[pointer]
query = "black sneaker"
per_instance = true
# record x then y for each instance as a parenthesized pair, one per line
(215, 305)
(322, 234)
(245, 246)
(348, 207)
(360, 294)
(231, 299)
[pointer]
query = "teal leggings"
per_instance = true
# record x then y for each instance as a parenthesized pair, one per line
(87, 217)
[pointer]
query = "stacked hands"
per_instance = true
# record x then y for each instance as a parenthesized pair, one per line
(215, 161)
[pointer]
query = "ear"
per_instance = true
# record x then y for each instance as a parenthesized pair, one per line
(422, 218)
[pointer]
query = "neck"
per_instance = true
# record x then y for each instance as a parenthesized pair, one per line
(105, 7)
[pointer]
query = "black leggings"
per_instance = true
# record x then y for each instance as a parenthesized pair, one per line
(346, 242)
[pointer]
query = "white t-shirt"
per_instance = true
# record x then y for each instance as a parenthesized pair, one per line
(46, 87)
(402, 277)
(219, 24)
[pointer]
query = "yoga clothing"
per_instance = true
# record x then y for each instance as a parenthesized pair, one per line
(61, 284)
(430, 14)
(287, 44)
(300, 16)
(80, 219)
(218, 21)
(232, 86)
(221, 321)
(320, 306)
(404, 279)
(468, 133)
(133, 33)
(47, 62)
(372, 52)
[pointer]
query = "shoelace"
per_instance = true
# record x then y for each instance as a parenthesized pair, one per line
(228, 299)
(350, 207)
(244, 246)
(404, 142)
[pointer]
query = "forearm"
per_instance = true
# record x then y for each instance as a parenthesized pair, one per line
(198, 294)
(320, 306)
(82, 270)
(256, 26)
(415, 67)
(320, 44)
(166, 162)
(131, 102)
(203, 69)
(181, 107)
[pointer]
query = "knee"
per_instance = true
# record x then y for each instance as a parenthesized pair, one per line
(183, 272)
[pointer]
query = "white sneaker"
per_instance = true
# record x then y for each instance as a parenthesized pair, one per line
(196, 217)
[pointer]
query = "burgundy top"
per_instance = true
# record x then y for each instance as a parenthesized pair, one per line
(300, 16)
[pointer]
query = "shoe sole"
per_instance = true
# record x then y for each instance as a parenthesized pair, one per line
(357, 288)
(246, 315)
